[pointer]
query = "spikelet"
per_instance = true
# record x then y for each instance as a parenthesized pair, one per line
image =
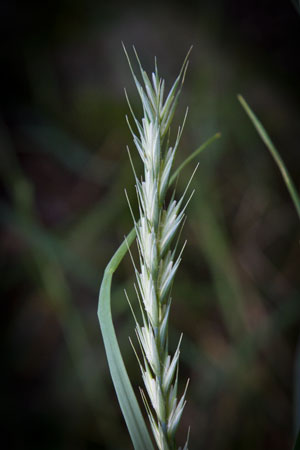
(156, 229)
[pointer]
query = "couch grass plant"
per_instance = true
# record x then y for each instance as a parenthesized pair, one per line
(156, 228)
(156, 231)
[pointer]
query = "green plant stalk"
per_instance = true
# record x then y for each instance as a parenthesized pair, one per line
(297, 442)
(274, 152)
(285, 174)
(193, 155)
(296, 3)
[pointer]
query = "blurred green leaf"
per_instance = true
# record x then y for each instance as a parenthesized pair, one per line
(70, 153)
(297, 442)
(274, 152)
(296, 3)
(194, 155)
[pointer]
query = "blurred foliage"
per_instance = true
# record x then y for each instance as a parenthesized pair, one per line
(64, 167)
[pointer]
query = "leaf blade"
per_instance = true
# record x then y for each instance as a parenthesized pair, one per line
(274, 152)
(297, 442)
(126, 397)
(193, 155)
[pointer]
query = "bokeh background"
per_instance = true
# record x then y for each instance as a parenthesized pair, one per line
(64, 167)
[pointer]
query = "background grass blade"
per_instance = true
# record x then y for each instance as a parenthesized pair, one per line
(297, 442)
(296, 3)
(193, 155)
(291, 188)
(127, 399)
(274, 152)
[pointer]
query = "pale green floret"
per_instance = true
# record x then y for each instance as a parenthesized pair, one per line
(170, 368)
(147, 341)
(166, 170)
(147, 244)
(147, 291)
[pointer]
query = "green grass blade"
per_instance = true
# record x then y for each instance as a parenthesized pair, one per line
(297, 442)
(128, 403)
(127, 399)
(274, 152)
(297, 5)
(193, 155)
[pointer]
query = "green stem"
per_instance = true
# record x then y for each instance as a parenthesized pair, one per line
(274, 152)
(193, 155)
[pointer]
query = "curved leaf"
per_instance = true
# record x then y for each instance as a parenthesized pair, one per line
(297, 5)
(297, 442)
(128, 403)
(274, 152)
(193, 155)
(285, 174)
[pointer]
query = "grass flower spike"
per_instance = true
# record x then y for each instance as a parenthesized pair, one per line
(156, 229)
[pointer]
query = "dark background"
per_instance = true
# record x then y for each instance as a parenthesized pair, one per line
(64, 167)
